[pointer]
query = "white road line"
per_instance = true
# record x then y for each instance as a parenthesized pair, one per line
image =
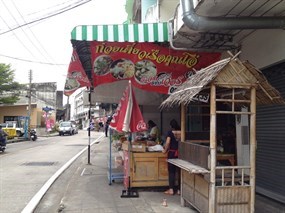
(30, 207)
(82, 172)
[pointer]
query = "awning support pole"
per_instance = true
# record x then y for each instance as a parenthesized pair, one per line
(213, 129)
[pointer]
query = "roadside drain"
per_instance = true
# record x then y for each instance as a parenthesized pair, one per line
(44, 163)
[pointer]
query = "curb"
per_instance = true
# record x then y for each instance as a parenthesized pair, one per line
(30, 207)
(25, 139)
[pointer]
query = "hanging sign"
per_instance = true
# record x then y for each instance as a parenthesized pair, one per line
(148, 66)
(76, 76)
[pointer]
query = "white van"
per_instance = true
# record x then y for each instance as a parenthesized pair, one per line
(66, 127)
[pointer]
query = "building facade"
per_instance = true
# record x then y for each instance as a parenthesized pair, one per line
(42, 95)
(258, 37)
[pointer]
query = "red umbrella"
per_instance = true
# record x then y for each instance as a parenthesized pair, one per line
(128, 117)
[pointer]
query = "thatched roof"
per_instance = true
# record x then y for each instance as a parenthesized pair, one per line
(226, 74)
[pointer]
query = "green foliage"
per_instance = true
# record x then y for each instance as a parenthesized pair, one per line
(9, 89)
(117, 135)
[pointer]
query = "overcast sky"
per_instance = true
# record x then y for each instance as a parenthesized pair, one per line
(48, 41)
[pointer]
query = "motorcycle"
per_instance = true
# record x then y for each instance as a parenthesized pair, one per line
(2, 148)
(3, 140)
(3, 145)
(33, 134)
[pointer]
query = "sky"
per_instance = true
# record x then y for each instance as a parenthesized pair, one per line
(44, 46)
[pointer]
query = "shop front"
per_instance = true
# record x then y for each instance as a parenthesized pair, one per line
(214, 177)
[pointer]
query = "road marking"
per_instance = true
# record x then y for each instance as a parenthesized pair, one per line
(30, 207)
(82, 172)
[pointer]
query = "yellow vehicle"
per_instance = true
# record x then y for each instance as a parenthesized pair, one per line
(10, 130)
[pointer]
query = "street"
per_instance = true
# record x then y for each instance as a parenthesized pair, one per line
(26, 166)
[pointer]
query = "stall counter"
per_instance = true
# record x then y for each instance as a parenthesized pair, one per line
(148, 169)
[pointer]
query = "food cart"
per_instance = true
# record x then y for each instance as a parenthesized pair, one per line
(147, 169)
(207, 184)
(141, 168)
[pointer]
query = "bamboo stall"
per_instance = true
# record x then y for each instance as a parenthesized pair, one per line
(206, 184)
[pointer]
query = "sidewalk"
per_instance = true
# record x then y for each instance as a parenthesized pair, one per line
(87, 190)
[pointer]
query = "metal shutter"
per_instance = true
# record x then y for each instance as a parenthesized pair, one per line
(270, 156)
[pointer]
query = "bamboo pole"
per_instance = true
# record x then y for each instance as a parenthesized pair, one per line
(183, 138)
(212, 194)
(252, 147)
(183, 122)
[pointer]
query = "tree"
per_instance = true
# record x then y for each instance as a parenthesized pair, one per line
(9, 89)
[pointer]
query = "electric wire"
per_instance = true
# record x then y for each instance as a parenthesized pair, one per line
(54, 6)
(43, 18)
(27, 36)
(31, 61)
(18, 38)
(34, 36)
(36, 61)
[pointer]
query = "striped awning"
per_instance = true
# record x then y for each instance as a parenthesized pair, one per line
(151, 32)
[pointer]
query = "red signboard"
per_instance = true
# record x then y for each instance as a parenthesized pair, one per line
(148, 66)
(76, 76)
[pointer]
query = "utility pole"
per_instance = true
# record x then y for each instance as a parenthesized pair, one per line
(89, 129)
(67, 116)
(30, 103)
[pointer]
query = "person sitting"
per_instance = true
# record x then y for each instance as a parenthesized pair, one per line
(154, 133)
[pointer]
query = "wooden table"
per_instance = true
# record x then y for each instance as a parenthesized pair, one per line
(148, 169)
(228, 157)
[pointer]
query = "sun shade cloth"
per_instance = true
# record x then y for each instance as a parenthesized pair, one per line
(151, 32)
(136, 52)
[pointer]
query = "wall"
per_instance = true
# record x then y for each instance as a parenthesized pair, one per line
(264, 47)
(18, 111)
(167, 9)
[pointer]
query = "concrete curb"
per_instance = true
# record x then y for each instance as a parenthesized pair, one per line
(30, 207)
(24, 139)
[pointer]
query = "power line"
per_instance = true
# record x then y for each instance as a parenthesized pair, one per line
(11, 14)
(48, 8)
(43, 18)
(30, 61)
(17, 37)
(35, 38)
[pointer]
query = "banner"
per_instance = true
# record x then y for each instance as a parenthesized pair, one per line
(76, 76)
(148, 66)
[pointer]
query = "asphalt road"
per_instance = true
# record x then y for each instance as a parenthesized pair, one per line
(26, 166)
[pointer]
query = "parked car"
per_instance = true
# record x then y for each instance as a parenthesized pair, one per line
(66, 127)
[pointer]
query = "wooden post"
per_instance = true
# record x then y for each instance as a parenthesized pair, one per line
(212, 193)
(183, 122)
(183, 138)
(252, 147)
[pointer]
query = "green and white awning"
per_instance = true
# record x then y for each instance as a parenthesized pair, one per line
(151, 32)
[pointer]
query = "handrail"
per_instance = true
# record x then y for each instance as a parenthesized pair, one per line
(234, 178)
